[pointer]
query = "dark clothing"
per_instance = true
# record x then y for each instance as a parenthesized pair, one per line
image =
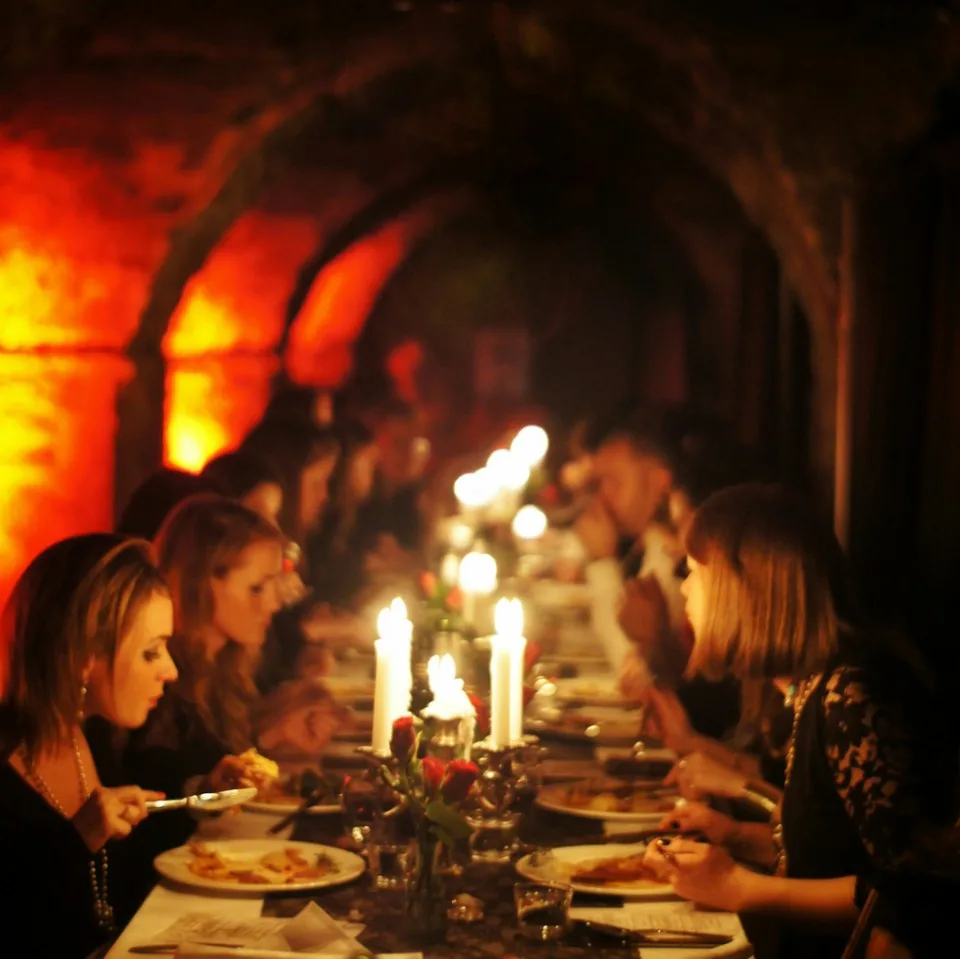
(860, 785)
(396, 515)
(713, 708)
(171, 748)
(45, 886)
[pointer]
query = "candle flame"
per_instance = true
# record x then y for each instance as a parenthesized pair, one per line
(508, 617)
(478, 574)
(530, 445)
(399, 608)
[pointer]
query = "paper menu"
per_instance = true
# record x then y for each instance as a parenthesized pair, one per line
(679, 916)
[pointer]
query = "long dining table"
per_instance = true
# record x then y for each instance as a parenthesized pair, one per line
(381, 911)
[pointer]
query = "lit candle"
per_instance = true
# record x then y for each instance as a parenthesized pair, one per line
(450, 569)
(506, 674)
(529, 524)
(478, 577)
(391, 697)
(530, 446)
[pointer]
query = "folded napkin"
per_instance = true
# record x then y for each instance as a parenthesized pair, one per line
(312, 932)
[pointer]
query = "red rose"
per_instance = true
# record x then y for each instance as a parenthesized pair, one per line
(428, 583)
(455, 600)
(459, 780)
(531, 655)
(432, 770)
(483, 714)
(403, 739)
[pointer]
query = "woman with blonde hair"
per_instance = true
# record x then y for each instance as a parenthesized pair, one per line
(86, 632)
(767, 598)
(222, 562)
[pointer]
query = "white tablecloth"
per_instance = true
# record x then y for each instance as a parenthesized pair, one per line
(165, 905)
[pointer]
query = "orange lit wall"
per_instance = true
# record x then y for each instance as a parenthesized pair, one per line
(59, 420)
(221, 341)
(72, 286)
(320, 349)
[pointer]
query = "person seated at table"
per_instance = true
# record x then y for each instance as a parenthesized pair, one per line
(391, 518)
(154, 499)
(767, 598)
(86, 630)
(339, 546)
(304, 458)
(221, 561)
(636, 604)
(246, 478)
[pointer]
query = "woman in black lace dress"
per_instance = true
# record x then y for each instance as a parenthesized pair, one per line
(867, 763)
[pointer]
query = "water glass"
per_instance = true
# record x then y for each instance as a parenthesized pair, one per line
(542, 909)
(388, 862)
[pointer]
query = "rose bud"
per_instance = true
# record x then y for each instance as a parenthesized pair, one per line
(528, 693)
(483, 714)
(432, 770)
(403, 739)
(531, 655)
(428, 583)
(455, 600)
(459, 780)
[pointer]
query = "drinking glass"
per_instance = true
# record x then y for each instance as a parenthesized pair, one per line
(542, 909)
(388, 862)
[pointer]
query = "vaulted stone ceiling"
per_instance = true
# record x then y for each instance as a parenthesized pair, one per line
(153, 163)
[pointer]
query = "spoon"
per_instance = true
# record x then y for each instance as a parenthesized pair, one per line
(208, 802)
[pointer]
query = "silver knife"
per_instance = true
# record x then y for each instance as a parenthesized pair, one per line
(210, 802)
(665, 938)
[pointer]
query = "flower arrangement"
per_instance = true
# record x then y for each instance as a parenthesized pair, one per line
(433, 792)
(441, 600)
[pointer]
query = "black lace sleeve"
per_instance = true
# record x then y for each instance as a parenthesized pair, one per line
(869, 752)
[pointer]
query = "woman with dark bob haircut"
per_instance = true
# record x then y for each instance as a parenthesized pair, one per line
(767, 598)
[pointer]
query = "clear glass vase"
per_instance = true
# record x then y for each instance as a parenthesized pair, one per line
(426, 890)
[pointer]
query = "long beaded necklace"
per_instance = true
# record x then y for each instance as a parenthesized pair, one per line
(102, 909)
(802, 695)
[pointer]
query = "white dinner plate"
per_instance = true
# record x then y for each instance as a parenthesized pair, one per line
(285, 808)
(590, 692)
(553, 798)
(347, 690)
(561, 863)
(173, 865)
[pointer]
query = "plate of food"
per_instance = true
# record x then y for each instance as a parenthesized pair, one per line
(258, 865)
(636, 801)
(350, 690)
(614, 870)
(601, 725)
(287, 794)
(600, 691)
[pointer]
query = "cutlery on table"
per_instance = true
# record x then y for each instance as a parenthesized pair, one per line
(208, 802)
(312, 800)
(665, 938)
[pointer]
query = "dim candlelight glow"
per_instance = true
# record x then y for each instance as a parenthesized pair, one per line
(530, 446)
(529, 523)
(391, 698)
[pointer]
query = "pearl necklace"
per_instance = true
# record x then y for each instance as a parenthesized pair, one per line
(102, 909)
(803, 694)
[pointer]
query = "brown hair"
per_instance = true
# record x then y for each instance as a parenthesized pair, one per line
(199, 542)
(288, 447)
(776, 596)
(75, 601)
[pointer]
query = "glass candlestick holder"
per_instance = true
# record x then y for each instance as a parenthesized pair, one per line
(493, 815)
(450, 737)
